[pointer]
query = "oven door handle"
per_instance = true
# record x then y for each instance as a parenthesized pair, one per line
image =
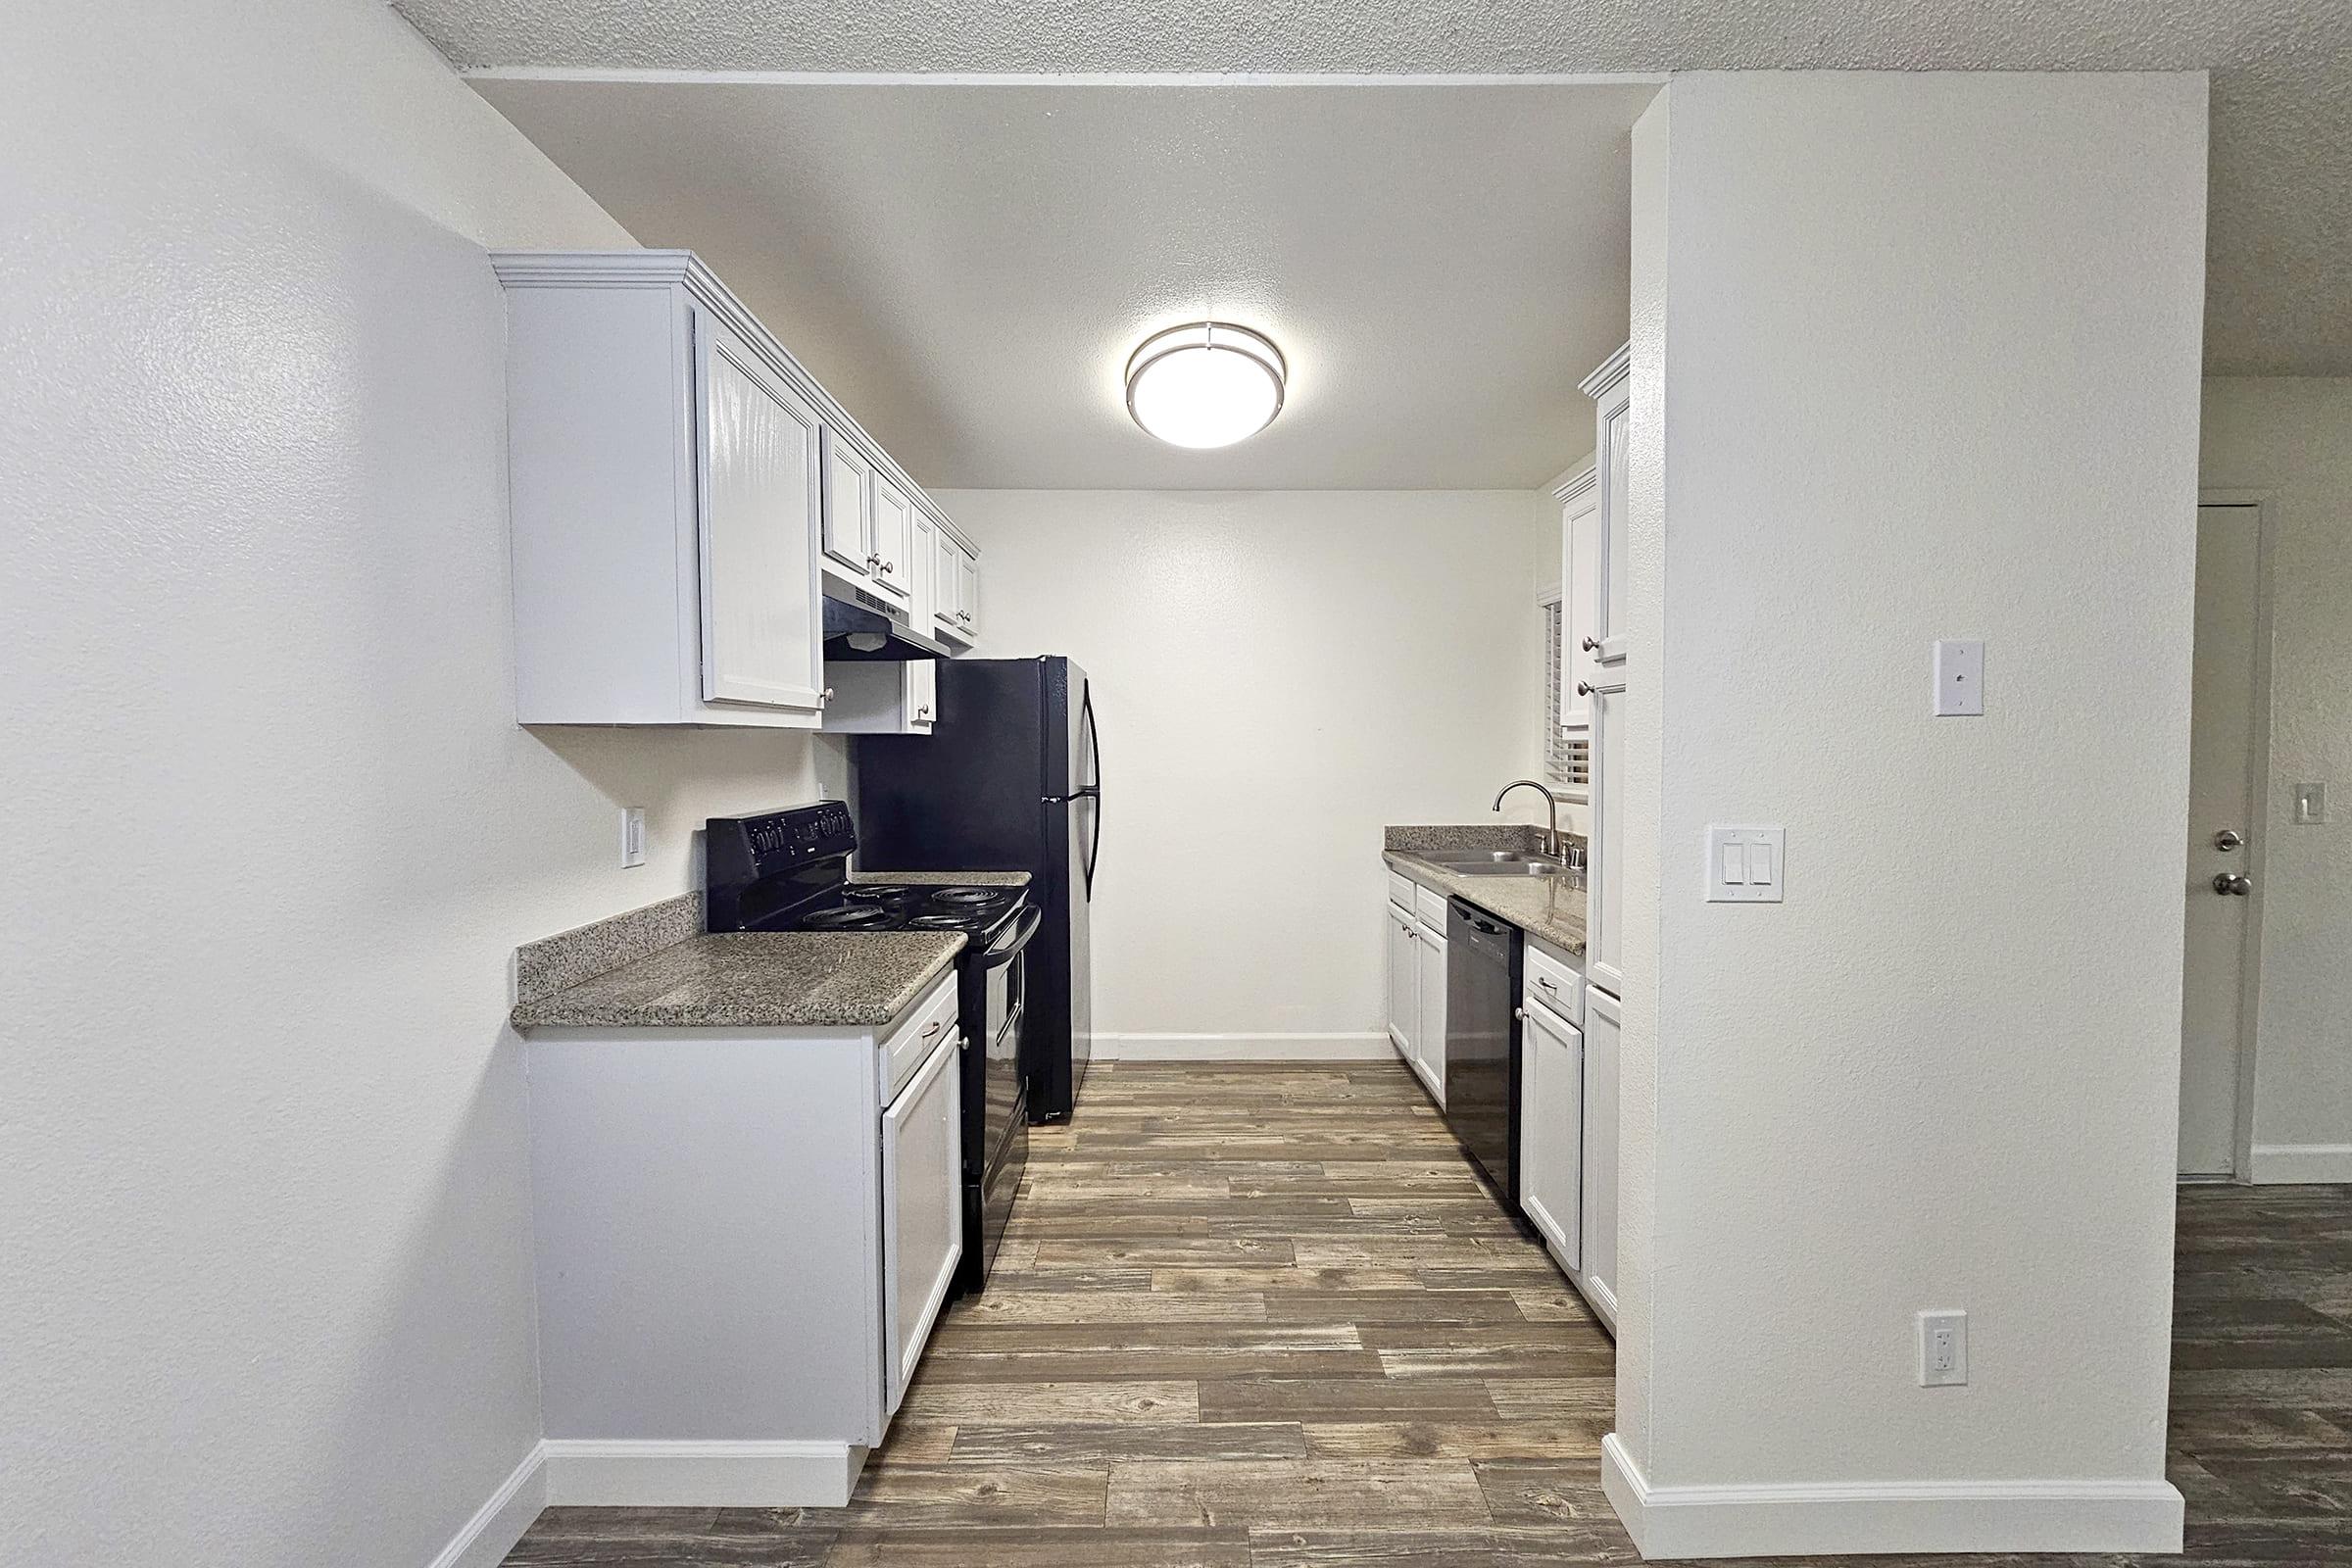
(1009, 949)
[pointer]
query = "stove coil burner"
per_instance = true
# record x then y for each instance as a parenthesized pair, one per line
(971, 896)
(852, 918)
(872, 893)
(939, 923)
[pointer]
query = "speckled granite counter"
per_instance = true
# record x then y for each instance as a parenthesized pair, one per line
(947, 879)
(1550, 906)
(793, 979)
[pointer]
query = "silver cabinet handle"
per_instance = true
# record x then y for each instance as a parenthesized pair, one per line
(934, 1027)
(2229, 838)
(923, 711)
(1548, 984)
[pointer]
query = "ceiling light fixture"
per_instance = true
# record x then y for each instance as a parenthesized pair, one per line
(1205, 384)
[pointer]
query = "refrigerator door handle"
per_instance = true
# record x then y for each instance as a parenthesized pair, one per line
(1092, 790)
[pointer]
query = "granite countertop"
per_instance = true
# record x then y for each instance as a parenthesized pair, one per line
(755, 980)
(947, 879)
(1549, 906)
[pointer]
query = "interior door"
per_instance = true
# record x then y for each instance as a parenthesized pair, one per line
(757, 495)
(1551, 1130)
(2223, 730)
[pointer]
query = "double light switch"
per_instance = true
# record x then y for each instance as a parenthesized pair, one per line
(1744, 864)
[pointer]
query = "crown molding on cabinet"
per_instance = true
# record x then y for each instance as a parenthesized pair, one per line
(1613, 369)
(1575, 481)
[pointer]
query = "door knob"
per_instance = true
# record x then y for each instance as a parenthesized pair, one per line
(2237, 886)
(2229, 838)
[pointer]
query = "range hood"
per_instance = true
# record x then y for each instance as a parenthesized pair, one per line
(858, 626)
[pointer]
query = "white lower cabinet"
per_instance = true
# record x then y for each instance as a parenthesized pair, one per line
(1404, 986)
(1429, 1038)
(743, 1240)
(1597, 1272)
(1551, 1128)
(922, 1211)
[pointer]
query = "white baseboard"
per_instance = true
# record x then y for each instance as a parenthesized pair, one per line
(2287, 1164)
(628, 1473)
(499, 1523)
(1802, 1519)
(1370, 1045)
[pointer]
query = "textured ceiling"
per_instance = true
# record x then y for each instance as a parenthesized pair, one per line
(967, 267)
(2279, 298)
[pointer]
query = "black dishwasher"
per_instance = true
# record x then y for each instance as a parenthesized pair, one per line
(1481, 1043)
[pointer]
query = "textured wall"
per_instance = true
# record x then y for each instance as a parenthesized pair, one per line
(1925, 359)
(2294, 439)
(267, 1293)
(1278, 675)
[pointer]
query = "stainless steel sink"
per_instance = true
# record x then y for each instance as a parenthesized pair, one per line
(1493, 863)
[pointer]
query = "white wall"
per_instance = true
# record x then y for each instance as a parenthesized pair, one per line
(274, 833)
(1278, 675)
(2294, 439)
(1916, 356)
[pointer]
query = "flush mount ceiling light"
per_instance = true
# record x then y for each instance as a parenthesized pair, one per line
(1205, 384)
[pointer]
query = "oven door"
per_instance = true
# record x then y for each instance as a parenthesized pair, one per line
(1005, 985)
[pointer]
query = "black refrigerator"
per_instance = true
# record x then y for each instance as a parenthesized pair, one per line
(1010, 779)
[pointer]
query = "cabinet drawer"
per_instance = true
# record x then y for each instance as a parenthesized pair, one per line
(1431, 908)
(1400, 891)
(1554, 984)
(904, 1049)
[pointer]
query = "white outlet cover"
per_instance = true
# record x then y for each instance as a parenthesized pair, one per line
(1959, 680)
(1943, 1350)
(632, 836)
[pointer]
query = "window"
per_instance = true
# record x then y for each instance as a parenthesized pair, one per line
(1568, 758)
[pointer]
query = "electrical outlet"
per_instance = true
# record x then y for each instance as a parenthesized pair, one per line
(1943, 1350)
(632, 836)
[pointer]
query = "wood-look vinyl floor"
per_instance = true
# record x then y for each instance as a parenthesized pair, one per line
(1265, 1317)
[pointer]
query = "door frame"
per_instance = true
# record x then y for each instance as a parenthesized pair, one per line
(2258, 795)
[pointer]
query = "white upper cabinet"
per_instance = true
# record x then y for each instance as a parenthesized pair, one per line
(1610, 390)
(664, 494)
(893, 562)
(680, 491)
(1580, 588)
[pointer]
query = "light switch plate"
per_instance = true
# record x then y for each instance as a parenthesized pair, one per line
(632, 836)
(1743, 864)
(2311, 805)
(1959, 680)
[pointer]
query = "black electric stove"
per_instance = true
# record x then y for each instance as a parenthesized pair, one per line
(789, 870)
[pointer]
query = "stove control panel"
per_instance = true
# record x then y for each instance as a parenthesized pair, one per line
(745, 856)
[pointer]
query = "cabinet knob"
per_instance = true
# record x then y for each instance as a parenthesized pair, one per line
(2239, 886)
(1590, 645)
(888, 566)
(923, 711)
(828, 697)
(1584, 688)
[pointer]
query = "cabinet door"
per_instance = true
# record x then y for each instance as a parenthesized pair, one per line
(967, 592)
(1609, 600)
(893, 540)
(1604, 876)
(1551, 1129)
(922, 695)
(922, 1212)
(849, 506)
(1430, 1037)
(1599, 1268)
(758, 499)
(922, 560)
(946, 585)
(1580, 608)
(1404, 986)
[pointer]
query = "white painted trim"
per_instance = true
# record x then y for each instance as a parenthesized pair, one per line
(1369, 1045)
(1801, 1519)
(1574, 480)
(634, 1473)
(656, 76)
(2291, 1164)
(500, 1522)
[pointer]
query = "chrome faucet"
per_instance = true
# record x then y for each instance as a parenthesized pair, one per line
(1551, 811)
